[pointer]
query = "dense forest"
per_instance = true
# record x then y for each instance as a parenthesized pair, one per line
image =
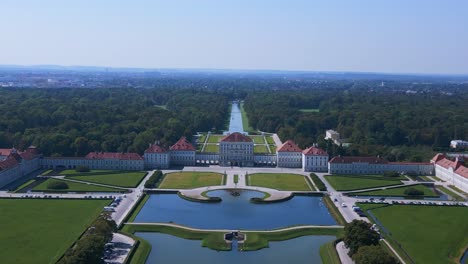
(72, 122)
(401, 121)
(399, 126)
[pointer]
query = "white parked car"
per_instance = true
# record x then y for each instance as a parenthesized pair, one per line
(343, 205)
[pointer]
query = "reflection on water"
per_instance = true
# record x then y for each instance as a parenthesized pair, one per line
(167, 249)
(235, 121)
(235, 212)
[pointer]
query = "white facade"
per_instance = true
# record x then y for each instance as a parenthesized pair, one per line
(315, 163)
(376, 165)
(157, 160)
(290, 159)
(449, 175)
(22, 166)
(183, 157)
(94, 164)
(236, 153)
(459, 144)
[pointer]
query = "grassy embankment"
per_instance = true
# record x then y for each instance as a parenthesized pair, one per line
(189, 180)
(357, 182)
(41, 230)
(442, 228)
(279, 181)
(74, 187)
(245, 120)
(400, 191)
(128, 179)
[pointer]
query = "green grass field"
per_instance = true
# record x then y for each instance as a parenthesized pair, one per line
(400, 191)
(310, 110)
(128, 179)
(258, 139)
(279, 181)
(245, 119)
(273, 149)
(430, 234)
(270, 140)
(74, 187)
(41, 230)
(260, 149)
(454, 196)
(201, 138)
(328, 254)
(24, 185)
(211, 148)
(356, 182)
(189, 180)
(214, 138)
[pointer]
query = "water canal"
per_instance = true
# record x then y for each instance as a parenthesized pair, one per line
(171, 249)
(235, 122)
(235, 212)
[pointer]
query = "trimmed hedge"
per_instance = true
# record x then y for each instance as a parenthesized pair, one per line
(57, 185)
(320, 185)
(154, 180)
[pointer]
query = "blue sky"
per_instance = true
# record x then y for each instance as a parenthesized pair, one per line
(395, 36)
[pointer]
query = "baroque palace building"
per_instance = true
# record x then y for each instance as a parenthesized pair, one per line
(235, 149)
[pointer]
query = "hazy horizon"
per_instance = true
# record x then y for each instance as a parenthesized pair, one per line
(391, 37)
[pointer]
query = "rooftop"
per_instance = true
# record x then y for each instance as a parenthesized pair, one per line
(183, 144)
(314, 151)
(289, 146)
(236, 137)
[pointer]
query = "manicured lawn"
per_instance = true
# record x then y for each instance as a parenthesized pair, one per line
(260, 149)
(201, 138)
(356, 182)
(245, 119)
(279, 181)
(430, 234)
(328, 254)
(211, 148)
(92, 172)
(122, 179)
(188, 180)
(214, 138)
(258, 139)
(270, 140)
(199, 147)
(22, 186)
(273, 149)
(74, 187)
(41, 230)
(457, 189)
(311, 110)
(400, 191)
(450, 193)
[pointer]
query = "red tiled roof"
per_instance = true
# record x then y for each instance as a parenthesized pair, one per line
(5, 152)
(28, 155)
(289, 146)
(8, 163)
(236, 137)
(183, 144)
(373, 160)
(113, 155)
(314, 151)
(462, 171)
(438, 157)
(155, 148)
(410, 163)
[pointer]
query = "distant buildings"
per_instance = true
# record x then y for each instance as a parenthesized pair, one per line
(459, 144)
(452, 171)
(333, 136)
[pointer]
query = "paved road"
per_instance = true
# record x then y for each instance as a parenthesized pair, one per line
(343, 253)
(122, 245)
(229, 230)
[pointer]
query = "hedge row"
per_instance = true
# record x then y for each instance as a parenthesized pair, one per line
(320, 185)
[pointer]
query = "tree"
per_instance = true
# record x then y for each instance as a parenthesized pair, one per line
(357, 234)
(373, 254)
(82, 169)
(57, 185)
(411, 191)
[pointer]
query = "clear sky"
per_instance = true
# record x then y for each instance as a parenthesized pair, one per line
(396, 36)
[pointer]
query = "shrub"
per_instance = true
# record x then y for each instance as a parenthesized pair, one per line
(357, 234)
(320, 185)
(153, 181)
(57, 185)
(373, 255)
(391, 174)
(82, 169)
(413, 192)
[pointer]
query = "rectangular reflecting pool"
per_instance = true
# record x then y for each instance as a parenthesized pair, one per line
(235, 212)
(171, 249)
